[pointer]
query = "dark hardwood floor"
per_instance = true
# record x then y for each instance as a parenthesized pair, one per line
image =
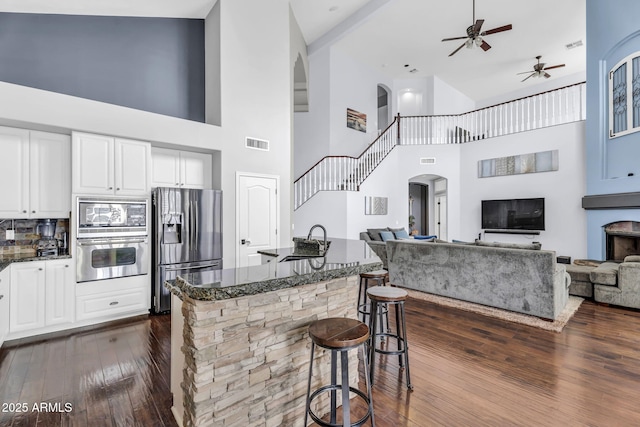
(467, 370)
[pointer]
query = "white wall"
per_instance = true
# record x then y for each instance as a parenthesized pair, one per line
(447, 100)
(414, 96)
(529, 89)
(256, 87)
(565, 220)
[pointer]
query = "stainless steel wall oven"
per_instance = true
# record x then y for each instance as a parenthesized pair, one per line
(112, 238)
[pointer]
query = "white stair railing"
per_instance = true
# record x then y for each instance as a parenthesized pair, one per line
(346, 173)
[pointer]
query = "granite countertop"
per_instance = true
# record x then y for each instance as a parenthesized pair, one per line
(7, 259)
(344, 258)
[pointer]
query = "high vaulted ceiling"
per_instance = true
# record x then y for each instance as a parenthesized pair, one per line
(389, 34)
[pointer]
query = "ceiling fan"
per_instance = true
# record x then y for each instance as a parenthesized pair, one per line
(539, 69)
(474, 36)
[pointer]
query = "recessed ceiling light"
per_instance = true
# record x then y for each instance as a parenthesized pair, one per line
(406, 65)
(333, 8)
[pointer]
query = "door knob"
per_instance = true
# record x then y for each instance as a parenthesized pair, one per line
(246, 241)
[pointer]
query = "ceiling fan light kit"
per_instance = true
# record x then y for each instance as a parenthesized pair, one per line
(539, 70)
(475, 36)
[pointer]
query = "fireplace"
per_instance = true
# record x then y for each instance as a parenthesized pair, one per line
(622, 239)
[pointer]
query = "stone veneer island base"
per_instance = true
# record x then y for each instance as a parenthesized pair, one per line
(243, 360)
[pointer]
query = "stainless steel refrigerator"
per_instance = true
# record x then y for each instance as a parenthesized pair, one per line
(187, 237)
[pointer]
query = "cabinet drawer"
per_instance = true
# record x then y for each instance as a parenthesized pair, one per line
(110, 303)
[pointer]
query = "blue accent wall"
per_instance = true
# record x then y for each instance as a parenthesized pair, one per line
(613, 32)
(150, 64)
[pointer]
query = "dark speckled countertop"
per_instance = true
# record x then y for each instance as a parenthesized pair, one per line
(344, 258)
(7, 260)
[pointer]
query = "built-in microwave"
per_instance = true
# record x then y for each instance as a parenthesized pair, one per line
(112, 217)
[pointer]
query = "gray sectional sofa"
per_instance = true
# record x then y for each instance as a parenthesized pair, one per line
(520, 278)
(608, 282)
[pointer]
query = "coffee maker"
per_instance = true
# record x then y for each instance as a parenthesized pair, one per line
(47, 245)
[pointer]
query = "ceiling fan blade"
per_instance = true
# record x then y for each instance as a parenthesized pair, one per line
(497, 30)
(454, 38)
(547, 75)
(529, 76)
(485, 46)
(525, 72)
(456, 51)
(553, 66)
(477, 26)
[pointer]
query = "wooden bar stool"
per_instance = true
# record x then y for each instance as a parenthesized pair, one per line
(379, 278)
(339, 335)
(389, 295)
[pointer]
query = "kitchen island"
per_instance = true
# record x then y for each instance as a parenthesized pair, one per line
(239, 342)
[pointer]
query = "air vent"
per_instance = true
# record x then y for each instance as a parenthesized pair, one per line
(427, 160)
(574, 44)
(256, 144)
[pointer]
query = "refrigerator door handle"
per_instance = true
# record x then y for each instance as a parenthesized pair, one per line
(192, 268)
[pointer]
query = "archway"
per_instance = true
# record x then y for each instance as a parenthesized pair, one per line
(384, 107)
(300, 87)
(428, 205)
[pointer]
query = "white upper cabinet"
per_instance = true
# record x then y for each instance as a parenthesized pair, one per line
(50, 175)
(37, 174)
(182, 169)
(108, 165)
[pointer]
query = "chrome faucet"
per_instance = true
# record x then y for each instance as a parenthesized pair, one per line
(324, 231)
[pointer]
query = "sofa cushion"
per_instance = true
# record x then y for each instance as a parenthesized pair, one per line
(386, 235)
(531, 246)
(579, 272)
(365, 236)
(375, 233)
(632, 258)
(605, 274)
(400, 233)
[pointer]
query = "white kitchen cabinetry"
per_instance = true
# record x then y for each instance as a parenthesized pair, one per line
(27, 296)
(182, 169)
(110, 166)
(113, 298)
(36, 169)
(5, 277)
(42, 295)
(60, 286)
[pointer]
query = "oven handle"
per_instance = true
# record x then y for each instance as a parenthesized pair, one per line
(93, 242)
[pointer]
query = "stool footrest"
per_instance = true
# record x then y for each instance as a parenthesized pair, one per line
(338, 387)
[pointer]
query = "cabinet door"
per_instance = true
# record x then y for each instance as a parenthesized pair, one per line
(50, 185)
(93, 164)
(132, 160)
(27, 296)
(5, 276)
(59, 292)
(195, 170)
(165, 167)
(14, 173)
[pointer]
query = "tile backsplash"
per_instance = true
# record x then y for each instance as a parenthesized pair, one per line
(25, 235)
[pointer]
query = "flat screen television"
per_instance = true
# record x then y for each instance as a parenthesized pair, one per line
(513, 214)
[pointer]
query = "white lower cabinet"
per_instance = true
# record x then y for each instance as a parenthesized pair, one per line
(42, 295)
(113, 298)
(5, 278)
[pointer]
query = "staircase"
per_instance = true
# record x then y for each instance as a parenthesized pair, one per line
(347, 173)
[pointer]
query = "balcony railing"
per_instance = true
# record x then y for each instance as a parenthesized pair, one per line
(346, 173)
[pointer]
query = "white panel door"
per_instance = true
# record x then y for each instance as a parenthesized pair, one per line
(257, 213)
(441, 216)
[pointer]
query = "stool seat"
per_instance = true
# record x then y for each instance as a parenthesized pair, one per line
(378, 274)
(387, 294)
(337, 332)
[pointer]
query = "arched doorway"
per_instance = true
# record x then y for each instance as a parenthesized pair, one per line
(300, 87)
(428, 205)
(384, 107)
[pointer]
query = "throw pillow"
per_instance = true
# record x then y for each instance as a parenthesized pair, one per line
(400, 233)
(632, 258)
(375, 233)
(536, 246)
(386, 235)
